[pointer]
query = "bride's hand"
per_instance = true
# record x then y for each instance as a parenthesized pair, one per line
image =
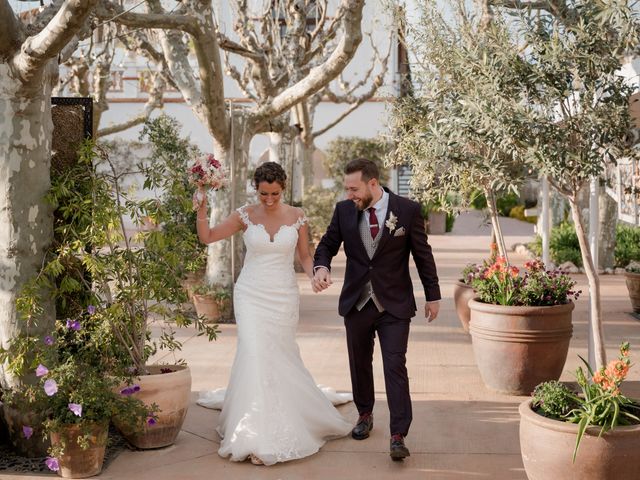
(199, 198)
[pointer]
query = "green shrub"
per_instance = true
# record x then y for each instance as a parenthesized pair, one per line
(518, 213)
(318, 204)
(342, 150)
(563, 245)
(627, 245)
(478, 200)
(506, 202)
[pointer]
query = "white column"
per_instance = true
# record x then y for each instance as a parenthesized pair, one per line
(594, 214)
(545, 212)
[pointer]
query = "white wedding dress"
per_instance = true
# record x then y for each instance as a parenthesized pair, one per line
(272, 407)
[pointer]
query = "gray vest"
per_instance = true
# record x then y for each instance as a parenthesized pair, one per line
(370, 245)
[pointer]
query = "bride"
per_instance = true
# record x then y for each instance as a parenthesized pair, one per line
(272, 410)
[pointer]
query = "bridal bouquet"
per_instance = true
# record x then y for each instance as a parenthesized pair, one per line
(207, 172)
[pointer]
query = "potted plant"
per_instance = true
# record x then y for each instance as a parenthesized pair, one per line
(632, 278)
(71, 399)
(210, 302)
(521, 325)
(130, 281)
(591, 435)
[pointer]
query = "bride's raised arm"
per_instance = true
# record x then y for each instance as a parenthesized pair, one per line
(206, 234)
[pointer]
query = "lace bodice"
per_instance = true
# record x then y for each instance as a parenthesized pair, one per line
(266, 255)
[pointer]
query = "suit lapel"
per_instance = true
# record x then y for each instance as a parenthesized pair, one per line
(392, 207)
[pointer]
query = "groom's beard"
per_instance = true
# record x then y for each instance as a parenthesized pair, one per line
(364, 202)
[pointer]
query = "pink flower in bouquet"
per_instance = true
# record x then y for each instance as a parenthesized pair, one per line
(208, 172)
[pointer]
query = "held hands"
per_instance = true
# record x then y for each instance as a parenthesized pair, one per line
(321, 280)
(431, 310)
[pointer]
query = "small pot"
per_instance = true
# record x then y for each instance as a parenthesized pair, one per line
(77, 462)
(207, 307)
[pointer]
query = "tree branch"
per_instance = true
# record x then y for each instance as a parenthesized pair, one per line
(321, 75)
(154, 101)
(110, 11)
(37, 50)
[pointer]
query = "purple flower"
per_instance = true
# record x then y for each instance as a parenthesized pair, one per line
(50, 387)
(73, 324)
(52, 464)
(91, 309)
(76, 408)
(41, 371)
(48, 340)
(151, 421)
(27, 431)
(130, 390)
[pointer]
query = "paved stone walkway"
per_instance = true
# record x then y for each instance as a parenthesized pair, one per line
(460, 429)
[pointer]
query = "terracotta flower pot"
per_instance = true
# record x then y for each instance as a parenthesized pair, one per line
(633, 285)
(77, 462)
(207, 307)
(462, 293)
(35, 446)
(516, 348)
(171, 392)
(190, 281)
(547, 449)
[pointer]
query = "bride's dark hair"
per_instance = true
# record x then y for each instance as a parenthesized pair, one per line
(270, 172)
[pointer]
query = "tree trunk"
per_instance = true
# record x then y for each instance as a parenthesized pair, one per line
(596, 332)
(495, 223)
(221, 270)
(25, 216)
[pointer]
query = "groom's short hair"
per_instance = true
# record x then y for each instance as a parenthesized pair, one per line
(368, 168)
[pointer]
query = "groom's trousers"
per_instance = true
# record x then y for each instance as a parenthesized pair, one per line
(393, 333)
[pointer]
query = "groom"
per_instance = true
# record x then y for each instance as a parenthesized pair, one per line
(379, 230)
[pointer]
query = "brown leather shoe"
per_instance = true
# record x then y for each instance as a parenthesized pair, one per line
(398, 450)
(363, 427)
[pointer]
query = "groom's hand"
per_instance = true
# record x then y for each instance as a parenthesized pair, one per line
(431, 310)
(321, 279)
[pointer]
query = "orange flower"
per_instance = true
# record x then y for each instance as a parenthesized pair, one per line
(617, 370)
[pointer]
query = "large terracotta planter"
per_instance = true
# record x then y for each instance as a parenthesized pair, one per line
(77, 462)
(32, 447)
(633, 285)
(462, 293)
(547, 450)
(516, 348)
(171, 392)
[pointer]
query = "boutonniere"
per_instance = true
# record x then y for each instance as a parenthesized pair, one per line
(391, 222)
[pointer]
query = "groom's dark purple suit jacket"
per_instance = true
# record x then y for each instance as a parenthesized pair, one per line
(389, 267)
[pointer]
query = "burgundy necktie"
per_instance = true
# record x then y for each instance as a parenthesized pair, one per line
(373, 223)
